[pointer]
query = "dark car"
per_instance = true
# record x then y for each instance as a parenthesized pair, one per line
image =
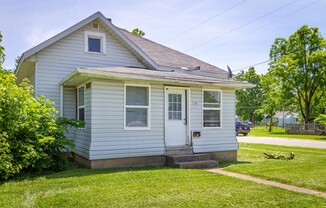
(242, 128)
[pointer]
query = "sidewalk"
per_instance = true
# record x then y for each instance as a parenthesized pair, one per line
(283, 141)
(270, 183)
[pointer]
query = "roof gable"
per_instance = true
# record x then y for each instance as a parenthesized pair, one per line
(98, 15)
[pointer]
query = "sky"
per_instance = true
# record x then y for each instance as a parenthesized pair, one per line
(237, 33)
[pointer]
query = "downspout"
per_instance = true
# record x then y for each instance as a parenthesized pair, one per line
(61, 101)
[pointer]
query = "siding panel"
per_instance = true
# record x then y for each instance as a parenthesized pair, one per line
(109, 139)
(215, 139)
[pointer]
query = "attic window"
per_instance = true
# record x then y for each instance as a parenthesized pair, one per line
(95, 42)
(95, 26)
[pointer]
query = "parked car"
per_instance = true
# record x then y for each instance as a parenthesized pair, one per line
(242, 128)
(249, 123)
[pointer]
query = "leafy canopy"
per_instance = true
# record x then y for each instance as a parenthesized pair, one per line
(299, 67)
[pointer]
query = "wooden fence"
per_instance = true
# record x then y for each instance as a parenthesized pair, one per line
(309, 128)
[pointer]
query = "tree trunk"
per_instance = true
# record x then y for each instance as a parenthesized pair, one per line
(307, 109)
(270, 124)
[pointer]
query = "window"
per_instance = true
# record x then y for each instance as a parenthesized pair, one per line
(137, 105)
(95, 42)
(175, 107)
(81, 103)
(211, 108)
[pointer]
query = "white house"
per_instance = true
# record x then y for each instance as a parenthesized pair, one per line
(139, 99)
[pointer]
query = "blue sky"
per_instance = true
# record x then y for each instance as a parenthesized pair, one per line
(239, 37)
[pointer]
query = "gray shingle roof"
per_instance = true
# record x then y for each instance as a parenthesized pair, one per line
(167, 57)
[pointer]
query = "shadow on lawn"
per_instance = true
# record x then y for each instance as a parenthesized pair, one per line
(76, 170)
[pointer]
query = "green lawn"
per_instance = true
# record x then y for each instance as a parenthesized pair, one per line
(280, 132)
(308, 169)
(147, 187)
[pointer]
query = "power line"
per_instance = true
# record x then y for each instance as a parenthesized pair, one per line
(259, 28)
(241, 26)
(203, 22)
(251, 65)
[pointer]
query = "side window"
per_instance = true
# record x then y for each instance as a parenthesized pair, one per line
(81, 103)
(211, 108)
(137, 107)
(94, 42)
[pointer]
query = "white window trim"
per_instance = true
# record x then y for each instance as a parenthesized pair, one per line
(205, 108)
(82, 106)
(137, 106)
(95, 34)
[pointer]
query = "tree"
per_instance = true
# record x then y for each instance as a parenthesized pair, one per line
(272, 98)
(299, 67)
(31, 136)
(248, 100)
(138, 32)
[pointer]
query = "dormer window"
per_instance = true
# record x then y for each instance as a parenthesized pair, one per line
(95, 42)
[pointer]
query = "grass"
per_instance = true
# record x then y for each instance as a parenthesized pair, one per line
(262, 131)
(146, 187)
(308, 169)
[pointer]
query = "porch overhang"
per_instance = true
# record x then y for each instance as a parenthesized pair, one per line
(82, 75)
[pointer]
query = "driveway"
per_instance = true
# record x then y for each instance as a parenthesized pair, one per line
(282, 141)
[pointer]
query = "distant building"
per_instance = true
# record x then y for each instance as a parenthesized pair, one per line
(282, 117)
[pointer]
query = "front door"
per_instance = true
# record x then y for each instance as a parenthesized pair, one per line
(175, 117)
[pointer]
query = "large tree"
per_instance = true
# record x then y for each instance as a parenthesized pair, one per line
(299, 67)
(248, 100)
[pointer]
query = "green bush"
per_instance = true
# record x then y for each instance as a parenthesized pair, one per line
(31, 136)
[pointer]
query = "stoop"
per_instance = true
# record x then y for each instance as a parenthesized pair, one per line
(183, 157)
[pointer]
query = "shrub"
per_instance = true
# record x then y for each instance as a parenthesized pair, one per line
(31, 136)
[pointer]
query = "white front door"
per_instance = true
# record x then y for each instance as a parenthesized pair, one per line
(175, 117)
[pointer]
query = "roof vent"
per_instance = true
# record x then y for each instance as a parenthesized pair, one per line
(95, 25)
(197, 68)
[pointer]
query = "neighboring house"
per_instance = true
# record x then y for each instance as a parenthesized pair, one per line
(286, 117)
(138, 98)
(289, 118)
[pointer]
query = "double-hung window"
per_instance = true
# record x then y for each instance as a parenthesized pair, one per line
(95, 42)
(81, 103)
(137, 107)
(211, 108)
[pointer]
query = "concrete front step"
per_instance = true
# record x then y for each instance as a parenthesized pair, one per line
(206, 164)
(187, 161)
(187, 158)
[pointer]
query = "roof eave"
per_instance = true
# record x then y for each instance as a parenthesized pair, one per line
(114, 75)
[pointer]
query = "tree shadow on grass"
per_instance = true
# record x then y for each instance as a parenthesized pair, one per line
(226, 164)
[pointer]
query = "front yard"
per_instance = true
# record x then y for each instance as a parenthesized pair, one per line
(308, 169)
(168, 187)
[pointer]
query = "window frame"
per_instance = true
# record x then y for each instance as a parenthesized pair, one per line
(95, 34)
(212, 108)
(148, 107)
(82, 106)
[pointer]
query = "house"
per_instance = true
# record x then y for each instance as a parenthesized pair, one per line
(139, 99)
(286, 117)
(281, 118)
